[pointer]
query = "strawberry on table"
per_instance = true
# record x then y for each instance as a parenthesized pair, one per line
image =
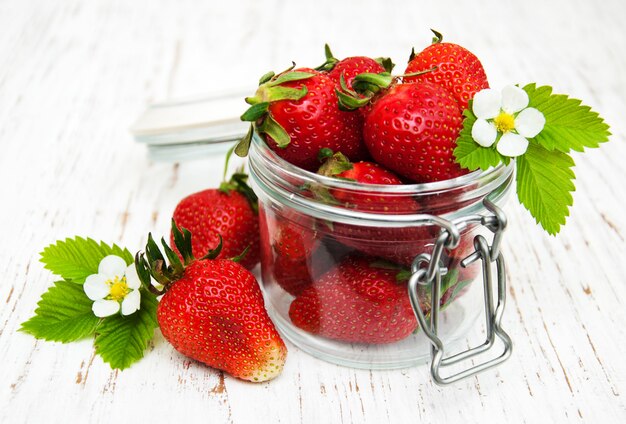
(298, 114)
(456, 69)
(212, 310)
(358, 301)
(229, 211)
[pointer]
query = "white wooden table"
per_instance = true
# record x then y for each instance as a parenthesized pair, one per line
(74, 75)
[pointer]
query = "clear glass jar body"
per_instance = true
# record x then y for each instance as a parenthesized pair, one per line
(335, 256)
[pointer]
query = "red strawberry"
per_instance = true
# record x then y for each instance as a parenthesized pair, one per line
(398, 245)
(297, 112)
(295, 242)
(350, 67)
(457, 69)
(412, 130)
(296, 256)
(230, 211)
(339, 166)
(212, 310)
(356, 302)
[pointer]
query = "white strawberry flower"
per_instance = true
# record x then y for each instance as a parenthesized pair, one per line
(506, 113)
(114, 287)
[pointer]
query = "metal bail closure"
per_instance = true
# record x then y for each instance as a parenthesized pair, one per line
(420, 276)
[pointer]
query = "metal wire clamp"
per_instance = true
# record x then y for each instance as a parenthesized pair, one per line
(427, 270)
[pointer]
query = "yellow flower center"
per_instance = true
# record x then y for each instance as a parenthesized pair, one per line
(118, 288)
(504, 122)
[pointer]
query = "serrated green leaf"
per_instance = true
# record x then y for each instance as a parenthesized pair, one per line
(569, 124)
(63, 314)
(544, 185)
(122, 340)
(75, 259)
(470, 154)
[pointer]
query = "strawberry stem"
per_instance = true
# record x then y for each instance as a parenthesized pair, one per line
(438, 38)
(330, 62)
(213, 253)
(242, 255)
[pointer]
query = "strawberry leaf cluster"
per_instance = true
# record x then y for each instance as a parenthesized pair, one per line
(544, 172)
(64, 313)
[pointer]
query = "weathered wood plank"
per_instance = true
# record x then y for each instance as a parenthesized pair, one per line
(73, 76)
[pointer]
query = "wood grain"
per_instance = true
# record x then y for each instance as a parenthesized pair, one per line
(74, 75)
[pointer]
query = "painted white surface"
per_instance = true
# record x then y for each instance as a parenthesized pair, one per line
(73, 77)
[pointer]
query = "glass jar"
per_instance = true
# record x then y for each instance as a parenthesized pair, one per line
(337, 257)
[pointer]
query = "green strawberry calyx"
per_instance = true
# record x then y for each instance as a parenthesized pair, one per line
(271, 90)
(334, 163)
(437, 39)
(153, 262)
(238, 182)
(365, 87)
(331, 61)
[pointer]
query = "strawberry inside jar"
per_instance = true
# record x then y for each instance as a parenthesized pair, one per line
(337, 248)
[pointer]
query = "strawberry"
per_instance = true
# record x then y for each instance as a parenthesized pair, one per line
(358, 302)
(457, 69)
(297, 255)
(398, 245)
(297, 112)
(230, 211)
(412, 130)
(212, 310)
(294, 243)
(350, 67)
(337, 165)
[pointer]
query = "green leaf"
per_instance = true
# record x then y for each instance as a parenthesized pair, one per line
(266, 77)
(544, 183)
(63, 314)
(290, 76)
(122, 340)
(274, 130)
(243, 146)
(470, 154)
(255, 112)
(569, 124)
(75, 259)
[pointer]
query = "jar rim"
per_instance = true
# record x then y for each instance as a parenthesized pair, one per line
(284, 182)
(392, 189)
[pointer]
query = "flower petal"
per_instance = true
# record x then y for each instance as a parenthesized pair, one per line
(514, 99)
(484, 133)
(486, 103)
(512, 145)
(112, 266)
(104, 308)
(132, 279)
(95, 286)
(529, 122)
(131, 302)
